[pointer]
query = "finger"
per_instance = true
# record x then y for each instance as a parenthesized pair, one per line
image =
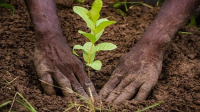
(128, 92)
(144, 91)
(117, 76)
(47, 83)
(45, 77)
(85, 81)
(74, 82)
(76, 85)
(63, 82)
(116, 92)
(109, 86)
(78, 88)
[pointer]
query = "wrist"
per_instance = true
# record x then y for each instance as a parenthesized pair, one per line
(44, 18)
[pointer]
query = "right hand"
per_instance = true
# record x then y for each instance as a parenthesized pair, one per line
(54, 60)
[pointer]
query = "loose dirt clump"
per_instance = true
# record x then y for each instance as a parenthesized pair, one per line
(178, 86)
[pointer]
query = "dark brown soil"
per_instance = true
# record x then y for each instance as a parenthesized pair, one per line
(178, 86)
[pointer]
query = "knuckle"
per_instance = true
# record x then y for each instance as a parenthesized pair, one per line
(126, 90)
(117, 73)
(135, 83)
(78, 88)
(146, 88)
(105, 91)
(42, 68)
(63, 80)
(116, 92)
(47, 78)
(61, 77)
(92, 90)
(88, 84)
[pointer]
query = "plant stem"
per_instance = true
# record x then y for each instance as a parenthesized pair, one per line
(88, 69)
(88, 61)
(125, 5)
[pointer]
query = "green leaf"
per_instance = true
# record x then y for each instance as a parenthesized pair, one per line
(116, 5)
(82, 12)
(5, 104)
(94, 12)
(193, 21)
(90, 36)
(121, 12)
(92, 56)
(87, 46)
(78, 47)
(104, 47)
(85, 57)
(101, 20)
(79, 1)
(103, 25)
(95, 65)
(99, 35)
(8, 6)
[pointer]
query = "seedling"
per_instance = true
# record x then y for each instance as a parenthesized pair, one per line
(97, 26)
(89, 103)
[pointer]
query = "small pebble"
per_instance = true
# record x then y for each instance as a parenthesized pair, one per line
(191, 56)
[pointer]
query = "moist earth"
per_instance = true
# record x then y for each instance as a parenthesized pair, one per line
(178, 86)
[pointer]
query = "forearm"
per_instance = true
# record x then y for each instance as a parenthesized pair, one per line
(173, 14)
(44, 18)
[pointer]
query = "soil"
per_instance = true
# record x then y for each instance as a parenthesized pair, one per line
(178, 86)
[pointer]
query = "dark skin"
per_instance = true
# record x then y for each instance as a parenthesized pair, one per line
(137, 72)
(53, 57)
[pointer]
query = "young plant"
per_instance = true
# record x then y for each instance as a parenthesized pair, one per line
(97, 26)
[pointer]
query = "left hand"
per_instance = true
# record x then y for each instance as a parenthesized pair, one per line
(136, 74)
